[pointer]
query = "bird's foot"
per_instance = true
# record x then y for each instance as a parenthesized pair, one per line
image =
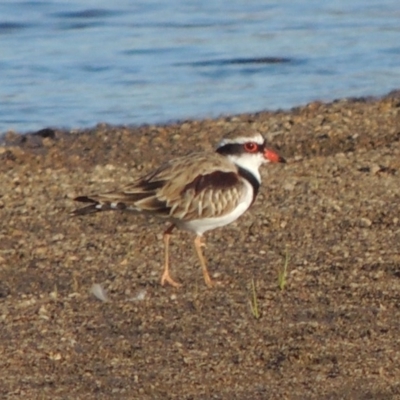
(207, 279)
(166, 278)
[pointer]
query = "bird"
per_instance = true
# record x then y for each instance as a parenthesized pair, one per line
(198, 192)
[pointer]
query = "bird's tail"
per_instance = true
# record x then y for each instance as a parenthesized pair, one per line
(96, 206)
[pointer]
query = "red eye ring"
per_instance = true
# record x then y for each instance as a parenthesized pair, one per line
(251, 147)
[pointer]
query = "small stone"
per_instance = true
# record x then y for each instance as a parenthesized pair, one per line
(140, 295)
(47, 142)
(54, 295)
(365, 222)
(58, 237)
(288, 186)
(42, 310)
(55, 356)
(98, 291)
(375, 169)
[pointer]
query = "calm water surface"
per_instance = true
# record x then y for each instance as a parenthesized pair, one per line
(73, 64)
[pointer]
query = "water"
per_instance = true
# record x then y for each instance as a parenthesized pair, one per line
(74, 63)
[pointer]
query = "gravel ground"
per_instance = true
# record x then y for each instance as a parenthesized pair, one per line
(332, 210)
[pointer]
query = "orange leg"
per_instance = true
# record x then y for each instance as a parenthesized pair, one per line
(166, 277)
(198, 244)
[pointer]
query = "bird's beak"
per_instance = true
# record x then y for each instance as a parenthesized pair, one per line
(272, 156)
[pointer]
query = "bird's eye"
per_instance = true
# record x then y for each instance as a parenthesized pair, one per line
(250, 147)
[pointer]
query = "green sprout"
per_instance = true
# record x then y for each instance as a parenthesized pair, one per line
(254, 302)
(282, 272)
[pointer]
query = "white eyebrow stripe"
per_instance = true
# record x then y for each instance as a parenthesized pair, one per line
(243, 139)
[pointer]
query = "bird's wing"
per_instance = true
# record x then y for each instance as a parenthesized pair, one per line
(200, 185)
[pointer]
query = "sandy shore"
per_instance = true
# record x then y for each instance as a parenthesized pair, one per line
(333, 209)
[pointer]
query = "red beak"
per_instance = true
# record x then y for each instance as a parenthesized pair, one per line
(272, 156)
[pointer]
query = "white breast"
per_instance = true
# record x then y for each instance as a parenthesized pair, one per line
(199, 226)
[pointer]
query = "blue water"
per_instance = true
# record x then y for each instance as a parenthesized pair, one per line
(73, 63)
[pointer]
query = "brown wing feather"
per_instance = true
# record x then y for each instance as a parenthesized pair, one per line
(203, 186)
(200, 185)
(210, 195)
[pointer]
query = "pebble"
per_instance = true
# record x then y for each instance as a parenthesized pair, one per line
(365, 222)
(99, 292)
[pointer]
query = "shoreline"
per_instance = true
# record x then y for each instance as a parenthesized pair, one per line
(46, 130)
